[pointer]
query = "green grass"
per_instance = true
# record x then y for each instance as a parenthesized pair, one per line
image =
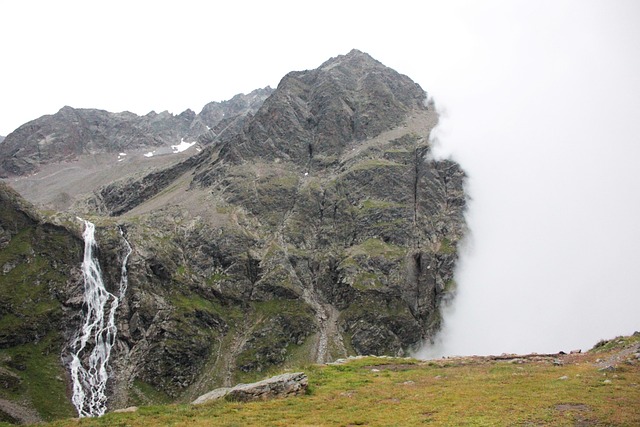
(447, 247)
(43, 385)
(377, 204)
(377, 248)
(187, 304)
(401, 392)
(144, 393)
(365, 280)
(618, 342)
(274, 320)
(374, 164)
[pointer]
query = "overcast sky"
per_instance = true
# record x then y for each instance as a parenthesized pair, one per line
(540, 102)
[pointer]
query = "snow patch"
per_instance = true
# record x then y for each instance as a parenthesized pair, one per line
(122, 154)
(149, 154)
(182, 146)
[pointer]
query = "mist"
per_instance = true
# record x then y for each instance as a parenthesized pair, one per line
(547, 126)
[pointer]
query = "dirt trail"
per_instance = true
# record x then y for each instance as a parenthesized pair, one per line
(237, 344)
(329, 344)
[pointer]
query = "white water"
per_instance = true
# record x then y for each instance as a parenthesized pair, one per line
(98, 333)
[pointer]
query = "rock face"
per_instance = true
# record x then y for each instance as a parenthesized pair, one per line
(72, 132)
(284, 385)
(314, 115)
(315, 228)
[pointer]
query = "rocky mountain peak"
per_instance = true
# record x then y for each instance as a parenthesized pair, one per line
(354, 60)
(317, 114)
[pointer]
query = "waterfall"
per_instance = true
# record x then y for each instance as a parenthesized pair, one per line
(98, 333)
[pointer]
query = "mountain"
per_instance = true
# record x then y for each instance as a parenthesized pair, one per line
(318, 226)
(1, 138)
(72, 132)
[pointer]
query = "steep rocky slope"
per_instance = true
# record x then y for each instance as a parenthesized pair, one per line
(318, 227)
(39, 278)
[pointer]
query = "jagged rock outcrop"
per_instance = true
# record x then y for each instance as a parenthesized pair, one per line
(229, 116)
(72, 132)
(283, 385)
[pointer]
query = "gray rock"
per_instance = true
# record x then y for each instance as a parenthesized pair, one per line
(9, 380)
(216, 394)
(275, 387)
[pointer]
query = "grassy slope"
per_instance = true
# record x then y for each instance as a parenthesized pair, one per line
(459, 392)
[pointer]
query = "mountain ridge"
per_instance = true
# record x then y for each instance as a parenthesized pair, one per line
(72, 132)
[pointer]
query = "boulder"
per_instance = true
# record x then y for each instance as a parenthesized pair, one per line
(275, 387)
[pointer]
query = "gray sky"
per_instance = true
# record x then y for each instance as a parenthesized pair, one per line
(541, 107)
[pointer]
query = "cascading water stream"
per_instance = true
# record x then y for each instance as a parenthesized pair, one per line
(98, 333)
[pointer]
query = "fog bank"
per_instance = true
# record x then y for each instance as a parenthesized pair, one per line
(547, 125)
